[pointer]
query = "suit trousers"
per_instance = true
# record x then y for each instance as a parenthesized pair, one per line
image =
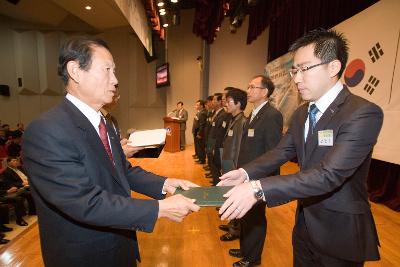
(253, 230)
(201, 153)
(182, 140)
(306, 255)
(215, 166)
(196, 145)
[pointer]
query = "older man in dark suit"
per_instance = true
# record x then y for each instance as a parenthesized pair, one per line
(332, 136)
(79, 176)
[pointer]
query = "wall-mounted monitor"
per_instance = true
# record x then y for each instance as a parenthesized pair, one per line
(162, 75)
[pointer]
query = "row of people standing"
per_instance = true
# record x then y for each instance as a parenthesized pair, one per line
(232, 140)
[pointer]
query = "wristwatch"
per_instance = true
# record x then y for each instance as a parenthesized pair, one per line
(258, 192)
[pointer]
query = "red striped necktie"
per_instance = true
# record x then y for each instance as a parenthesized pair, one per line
(104, 138)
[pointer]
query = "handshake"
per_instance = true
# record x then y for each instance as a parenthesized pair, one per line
(238, 200)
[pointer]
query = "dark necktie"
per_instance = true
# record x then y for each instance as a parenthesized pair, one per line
(104, 138)
(312, 118)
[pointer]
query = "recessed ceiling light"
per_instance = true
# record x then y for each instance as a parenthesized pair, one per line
(165, 25)
(174, 1)
(88, 7)
(163, 13)
(160, 4)
(162, 10)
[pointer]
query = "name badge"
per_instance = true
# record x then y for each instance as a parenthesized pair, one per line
(230, 133)
(223, 124)
(325, 138)
(250, 133)
(213, 124)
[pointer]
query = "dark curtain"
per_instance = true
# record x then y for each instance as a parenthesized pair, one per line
(384, 183)
(288, 19)
(208, 17)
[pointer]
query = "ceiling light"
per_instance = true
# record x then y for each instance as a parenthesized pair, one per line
(162, 10)
(163, 13)
(165, 25)
(88, 7)
(160, 4)
(174, 1)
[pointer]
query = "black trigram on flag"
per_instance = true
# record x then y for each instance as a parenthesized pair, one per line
(376, 52)
(371, 85)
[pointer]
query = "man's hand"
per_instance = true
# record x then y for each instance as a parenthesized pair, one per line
(240, 200)
(171, 184)
(12, 190)
(234, 177)
(128, 149)
(176, 207)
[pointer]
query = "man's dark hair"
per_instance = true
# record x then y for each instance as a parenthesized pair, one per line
(266, 83)
(229, 88)
(210, 98)
(238, 96)
(10, 158)
(201, 102)
(328, 45)
(180, 102)
(80, 50)
(16, 134)
(219, 96)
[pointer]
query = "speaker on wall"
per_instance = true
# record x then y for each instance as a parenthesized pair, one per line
(4, 90)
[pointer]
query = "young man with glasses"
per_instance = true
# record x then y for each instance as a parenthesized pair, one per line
(261, 133)
(332, 136)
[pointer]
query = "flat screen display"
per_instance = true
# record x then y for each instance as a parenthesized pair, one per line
(162, 75)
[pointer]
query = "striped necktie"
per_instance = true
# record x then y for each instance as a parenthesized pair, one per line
(104, 138)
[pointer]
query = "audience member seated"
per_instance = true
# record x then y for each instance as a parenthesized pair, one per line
(14, 147)
(6, 129)
(10, 195)
(14, 176)
(3, 141)
(3, 220)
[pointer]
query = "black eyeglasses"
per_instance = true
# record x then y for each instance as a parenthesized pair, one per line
(252, 87)
(302, 69)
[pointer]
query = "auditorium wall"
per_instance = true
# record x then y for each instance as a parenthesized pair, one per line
(32, 56)
(232, 63)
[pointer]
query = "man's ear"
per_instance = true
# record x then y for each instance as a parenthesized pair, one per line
(73, 70)
(266, 93)
(334, 67)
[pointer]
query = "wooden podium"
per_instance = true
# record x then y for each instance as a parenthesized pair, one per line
(172, 142)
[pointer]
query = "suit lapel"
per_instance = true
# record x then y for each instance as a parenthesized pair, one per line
(258, 116)
(303, 113)
(116, 150)
(92, 139)
(330, 112)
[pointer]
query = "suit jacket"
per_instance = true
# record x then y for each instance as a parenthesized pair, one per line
(12, 178)
(199, 122)
(267, 128)
(219, 125)
(231, 144)
(331, 185)
(183, 117)
(85, 211)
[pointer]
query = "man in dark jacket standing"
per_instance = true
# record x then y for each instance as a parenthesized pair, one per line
(79, 175)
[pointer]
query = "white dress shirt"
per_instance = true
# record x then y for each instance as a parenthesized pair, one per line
(256, 110)
(323, 103)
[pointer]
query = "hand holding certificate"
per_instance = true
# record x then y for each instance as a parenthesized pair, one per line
(206, 196)
(148, 138)
(151, 142)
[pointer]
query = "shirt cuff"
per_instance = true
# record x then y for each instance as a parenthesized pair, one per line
(162, 190)
(245, 173)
